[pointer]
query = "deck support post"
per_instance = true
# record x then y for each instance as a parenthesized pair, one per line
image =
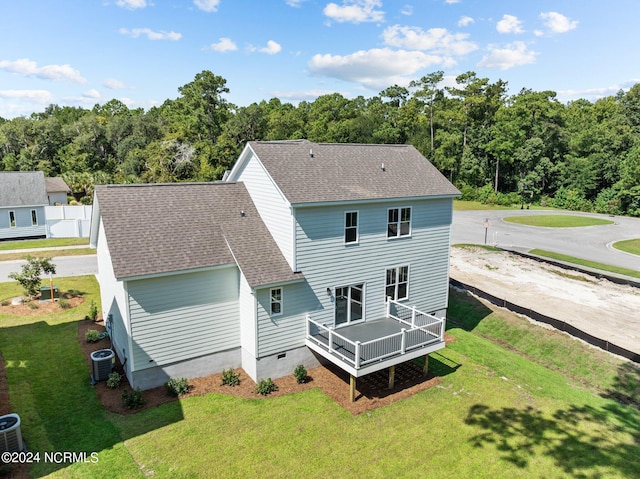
(352, 388)
(425, 368)
(392, 376)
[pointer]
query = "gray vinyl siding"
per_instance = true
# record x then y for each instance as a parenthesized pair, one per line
(327, 262)
(247, 317)
(274, 209)
(286, 331)
(179, 317)
(23, 227)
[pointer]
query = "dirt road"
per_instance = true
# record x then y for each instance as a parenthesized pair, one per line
(596, 306)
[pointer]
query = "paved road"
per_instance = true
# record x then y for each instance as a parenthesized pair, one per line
(592, 242)
(65, 266)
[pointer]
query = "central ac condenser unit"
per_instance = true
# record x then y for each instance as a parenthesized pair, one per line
(101, 364)
(10, 434)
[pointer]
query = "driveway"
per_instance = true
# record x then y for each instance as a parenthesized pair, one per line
(590, 242)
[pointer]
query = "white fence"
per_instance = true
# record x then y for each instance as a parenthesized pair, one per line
(68, 221)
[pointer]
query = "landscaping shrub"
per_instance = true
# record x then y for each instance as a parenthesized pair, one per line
(5, 302)
(92, 336)
(266, 387)
(230, 378)
(93, 311)
(300, 373)
(133, 399)
(63, 303)
(32, 305)
(177, 386)
(113, 381)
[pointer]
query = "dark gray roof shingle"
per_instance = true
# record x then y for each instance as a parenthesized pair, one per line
(309, 172)
(22, 188)
(163, 228)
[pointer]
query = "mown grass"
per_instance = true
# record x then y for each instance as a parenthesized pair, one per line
(507, 406)
(557, 221)
(43, 254)
(585, 262)
(43, 243)
(628, 246)
(463, 205)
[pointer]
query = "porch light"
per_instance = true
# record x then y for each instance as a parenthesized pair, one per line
(328, 291)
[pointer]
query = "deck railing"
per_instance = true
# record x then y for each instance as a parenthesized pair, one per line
(419, 329)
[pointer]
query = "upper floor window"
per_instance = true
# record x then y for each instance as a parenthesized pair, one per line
(397, 283)
(399, 222)
(12, 219)
(351, 227)
(276, 301)
(34, 218)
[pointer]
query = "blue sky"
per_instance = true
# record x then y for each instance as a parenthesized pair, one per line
(83, 52)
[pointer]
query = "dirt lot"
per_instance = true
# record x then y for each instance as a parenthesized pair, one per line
(596, 306)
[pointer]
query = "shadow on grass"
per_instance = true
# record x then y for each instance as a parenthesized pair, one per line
(464, 310)
(626, 386)
(579, 439)
(51, 391)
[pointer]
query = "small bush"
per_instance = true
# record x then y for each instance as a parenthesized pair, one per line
(230, 378)
(177, 386)
(32, 305)
(300, 373)
(266, 387)
(92, 336)
(113, 381)
(5, 302)
(63, 303)
(133, 399)
(93, 311)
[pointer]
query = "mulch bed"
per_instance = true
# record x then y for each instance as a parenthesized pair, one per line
(372, 390)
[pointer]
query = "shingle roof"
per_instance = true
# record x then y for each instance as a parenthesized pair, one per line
(56, 185)
(309, 172)
(22, 188)
(163, 228)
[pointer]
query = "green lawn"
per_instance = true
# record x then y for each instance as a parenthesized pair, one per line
(463, 205)
(629, 246)
(43, 243)
(585, 262)
(557, 221)
(514, 400)
(46, 254)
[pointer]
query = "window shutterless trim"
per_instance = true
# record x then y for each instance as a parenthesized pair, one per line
(12, 219)
(397, 273)
(351, 227)
(275, 301)
(399, 222)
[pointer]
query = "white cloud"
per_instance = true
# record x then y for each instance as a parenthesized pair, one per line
(376, 68)
(36, 96)
(14, 103)
(304, 95)
(294, 3)
(207, 5)
(593, 94)
(26, 67)
(407, 10)
(355, 11)
(272, 48)
(131, 4)
(509, 24)
(439, 40)
(91, 94)
(513, 54)
(451, 2)
(224, 45)
(150, 34)
(114, 84)
(558, 23)
(465, 21)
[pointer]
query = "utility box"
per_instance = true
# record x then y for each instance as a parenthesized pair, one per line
(45, 293)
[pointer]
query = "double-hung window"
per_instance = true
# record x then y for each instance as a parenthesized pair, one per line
(276, 301)
(399, 222)
(351, 227)
(397, 283)
(12, 219)
(34, 218)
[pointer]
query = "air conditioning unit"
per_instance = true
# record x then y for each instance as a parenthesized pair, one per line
(102, 362)
(10, 434)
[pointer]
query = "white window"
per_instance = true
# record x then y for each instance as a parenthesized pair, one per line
(12, 219)
(351, 227)
(276, 301)
(399, 222)
(397, 283)
(34, 218)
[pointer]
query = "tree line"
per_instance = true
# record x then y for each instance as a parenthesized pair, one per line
(497, 148)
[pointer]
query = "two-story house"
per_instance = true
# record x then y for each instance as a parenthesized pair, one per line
(306, 252)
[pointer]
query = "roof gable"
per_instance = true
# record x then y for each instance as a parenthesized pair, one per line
(163, 228)
(309, 172)
(56, 185)
(22, 188)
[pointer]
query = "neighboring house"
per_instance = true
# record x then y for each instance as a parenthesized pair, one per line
(306, 253)
(57, 191)
(22, 201)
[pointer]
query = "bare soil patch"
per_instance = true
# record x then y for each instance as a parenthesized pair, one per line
(36, 307)
(372, 391)
(595, 305)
